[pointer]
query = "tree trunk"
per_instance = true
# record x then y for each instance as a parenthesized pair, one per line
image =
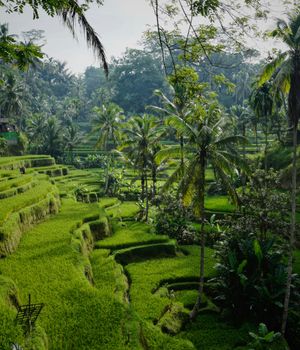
(256, 140)
(244, 159)
(154, 179)
(181, 154)
(266, 150)
(147, 197)
(107, 174)
(143, 185)
(292, 233)
(200, 194)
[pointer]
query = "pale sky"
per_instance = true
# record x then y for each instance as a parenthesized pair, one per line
(119, 23)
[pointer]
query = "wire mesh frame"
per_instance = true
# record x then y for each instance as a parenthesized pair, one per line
(28, 314)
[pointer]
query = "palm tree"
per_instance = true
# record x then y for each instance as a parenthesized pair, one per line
(242, 115)
(206, 143)
(11, 98)
(35, 128)
(52, 136)
(185, 86)
(72, 138)
(262, 102)
(142, 136)
(284, 72)
(106, 125)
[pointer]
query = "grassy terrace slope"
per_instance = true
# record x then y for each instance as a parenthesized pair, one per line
(77, 315)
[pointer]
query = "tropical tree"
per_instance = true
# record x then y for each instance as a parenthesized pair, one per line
(72, 137)
(284, 73)
(11, 97)
(206, 143)
(35, 128)
(52, 136)
(242, 115)
(142, 136)
(106, 125)
(185, 89)
(262, 102)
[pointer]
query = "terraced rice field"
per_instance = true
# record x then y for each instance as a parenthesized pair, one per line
(107, 281)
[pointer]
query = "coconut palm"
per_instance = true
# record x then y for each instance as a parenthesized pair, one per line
(35, 128)
(106, 125)
(72, 137)
(284, 73)
(11, 97)
(52, 136)
(142, 136)
(206, 143)
(185, 87)
(262, 102)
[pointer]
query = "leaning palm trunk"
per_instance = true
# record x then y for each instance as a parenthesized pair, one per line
(292, 233)
(200, 194)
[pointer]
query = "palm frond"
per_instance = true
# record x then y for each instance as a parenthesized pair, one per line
(188, 185)
(74, 11)
(167, 153)
(235, 159)
(235, 139)
(159, 110)
(282, 80)
(181, 126)
(228, 184)
(271, 68)
(175, 177)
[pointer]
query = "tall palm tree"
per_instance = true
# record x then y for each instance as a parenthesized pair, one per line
(185, 86)
(72, 137)
(284, 72)
(52, 136)
(262, 102)
(107, 126)
(242, 115)
(11, 98)
(142, 136)
(35, 128)
(206, 143)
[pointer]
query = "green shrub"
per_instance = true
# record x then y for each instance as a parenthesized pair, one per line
(174, 220)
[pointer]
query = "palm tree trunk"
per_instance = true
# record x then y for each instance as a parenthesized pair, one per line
(107, 174)
(244, 159)
(143, 185)
(256, 140)
(292, 233)
(147, 197)
(266, 150)
(181, 154)
(201, 189)
(154, 179)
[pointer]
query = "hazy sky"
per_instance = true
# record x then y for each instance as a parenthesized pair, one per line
(119, 23)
